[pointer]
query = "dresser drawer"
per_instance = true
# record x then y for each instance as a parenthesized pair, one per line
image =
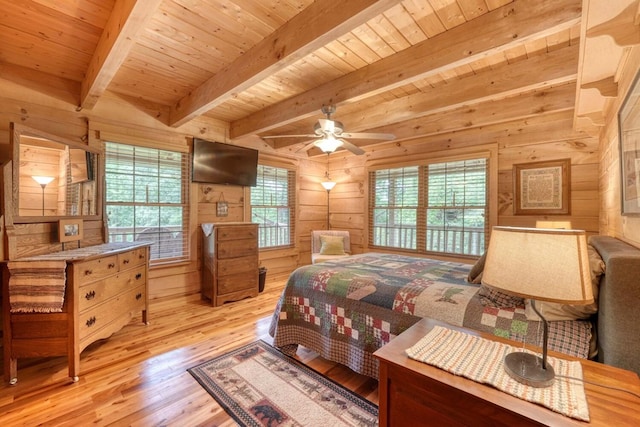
(96, 269)
(239, 232)
(132, 258)
(237, 248)
(238, 282)
(247, 264)
(91, 321)
(94, 293)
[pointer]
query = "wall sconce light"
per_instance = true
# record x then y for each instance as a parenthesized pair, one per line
(43, 181)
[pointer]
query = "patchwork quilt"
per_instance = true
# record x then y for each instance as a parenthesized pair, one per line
(346, 309)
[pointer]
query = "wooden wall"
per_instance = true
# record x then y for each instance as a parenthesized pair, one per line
(612, 223)
(310, 210)
(540, 138)
(115, 119)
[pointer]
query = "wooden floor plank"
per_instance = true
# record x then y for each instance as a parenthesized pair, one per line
(139, 375)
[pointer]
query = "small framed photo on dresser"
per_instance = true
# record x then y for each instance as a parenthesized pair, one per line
(70, 230)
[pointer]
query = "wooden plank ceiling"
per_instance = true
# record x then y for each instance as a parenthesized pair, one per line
(267, 67)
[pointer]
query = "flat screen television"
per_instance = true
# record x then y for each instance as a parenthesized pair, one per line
(219, 163)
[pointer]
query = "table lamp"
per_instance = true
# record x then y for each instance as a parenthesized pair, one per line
(539, 264)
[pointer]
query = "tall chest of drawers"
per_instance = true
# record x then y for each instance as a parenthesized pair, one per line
(106, 286)
(229, 261)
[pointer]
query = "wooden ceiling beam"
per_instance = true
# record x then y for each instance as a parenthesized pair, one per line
(317, 25)
(127, 19)
(525, 105)
(57, 87)
(512, 135)
(498, 84)
(557, 67)
(493, 32)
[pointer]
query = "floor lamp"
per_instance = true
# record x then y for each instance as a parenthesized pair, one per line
(328, 185)
(43, 181)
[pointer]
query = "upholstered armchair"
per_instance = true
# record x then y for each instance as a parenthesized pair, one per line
(329, 244)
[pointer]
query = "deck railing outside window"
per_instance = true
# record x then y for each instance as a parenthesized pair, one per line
(455, 240)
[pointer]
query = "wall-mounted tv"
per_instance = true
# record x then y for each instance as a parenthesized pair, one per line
(219, 163)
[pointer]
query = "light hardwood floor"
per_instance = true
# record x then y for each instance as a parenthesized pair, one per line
(139, 375)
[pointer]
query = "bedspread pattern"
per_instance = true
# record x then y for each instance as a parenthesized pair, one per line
(346, 309)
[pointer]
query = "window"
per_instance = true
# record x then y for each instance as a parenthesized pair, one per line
(273, 206)
(147, 199)
(456, 207)
(395, 209)
(434, 207)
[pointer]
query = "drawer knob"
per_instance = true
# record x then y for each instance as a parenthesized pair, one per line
(125, 261)
(88, 272)
(138, 276)
(111, 265)
(90, 295)
(138, 296)
(91, 321)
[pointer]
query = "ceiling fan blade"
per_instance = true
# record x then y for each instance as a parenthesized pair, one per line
(307, 146)
(289, 136)
(351, 147)
(362, 135)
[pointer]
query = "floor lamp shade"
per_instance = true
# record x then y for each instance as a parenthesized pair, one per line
(328, 185)
(539, 264)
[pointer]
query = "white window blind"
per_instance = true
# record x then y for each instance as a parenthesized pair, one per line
(457, 207)
(147, 199)
(394, 207)
(430, 207)
(273, 206)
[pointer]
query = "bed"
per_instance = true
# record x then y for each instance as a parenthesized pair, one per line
(346, 309)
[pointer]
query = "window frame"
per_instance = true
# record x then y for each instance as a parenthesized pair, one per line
(292, 182)
(487, 151)
(183, 235)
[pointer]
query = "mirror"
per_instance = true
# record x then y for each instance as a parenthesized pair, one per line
(53, 178)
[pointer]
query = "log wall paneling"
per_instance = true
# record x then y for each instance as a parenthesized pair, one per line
(547, 137)
(612, 223)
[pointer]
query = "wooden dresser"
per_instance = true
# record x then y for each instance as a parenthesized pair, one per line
(229, 261)
(412, 392)
(106, 285)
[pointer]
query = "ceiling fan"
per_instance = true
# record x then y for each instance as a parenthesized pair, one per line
(331, 135)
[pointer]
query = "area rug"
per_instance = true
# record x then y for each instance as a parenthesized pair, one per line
(260, 386)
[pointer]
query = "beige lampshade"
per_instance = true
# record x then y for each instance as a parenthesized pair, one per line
(541, 264)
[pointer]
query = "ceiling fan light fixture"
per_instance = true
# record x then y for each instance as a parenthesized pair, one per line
(328, 144)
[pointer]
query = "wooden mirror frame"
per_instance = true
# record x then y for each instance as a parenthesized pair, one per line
(17, 132)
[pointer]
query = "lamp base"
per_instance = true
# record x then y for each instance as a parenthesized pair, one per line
(526, 368)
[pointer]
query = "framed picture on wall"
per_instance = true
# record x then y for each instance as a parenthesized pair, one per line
(542, 188)
(629, 138)
(70, 230)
